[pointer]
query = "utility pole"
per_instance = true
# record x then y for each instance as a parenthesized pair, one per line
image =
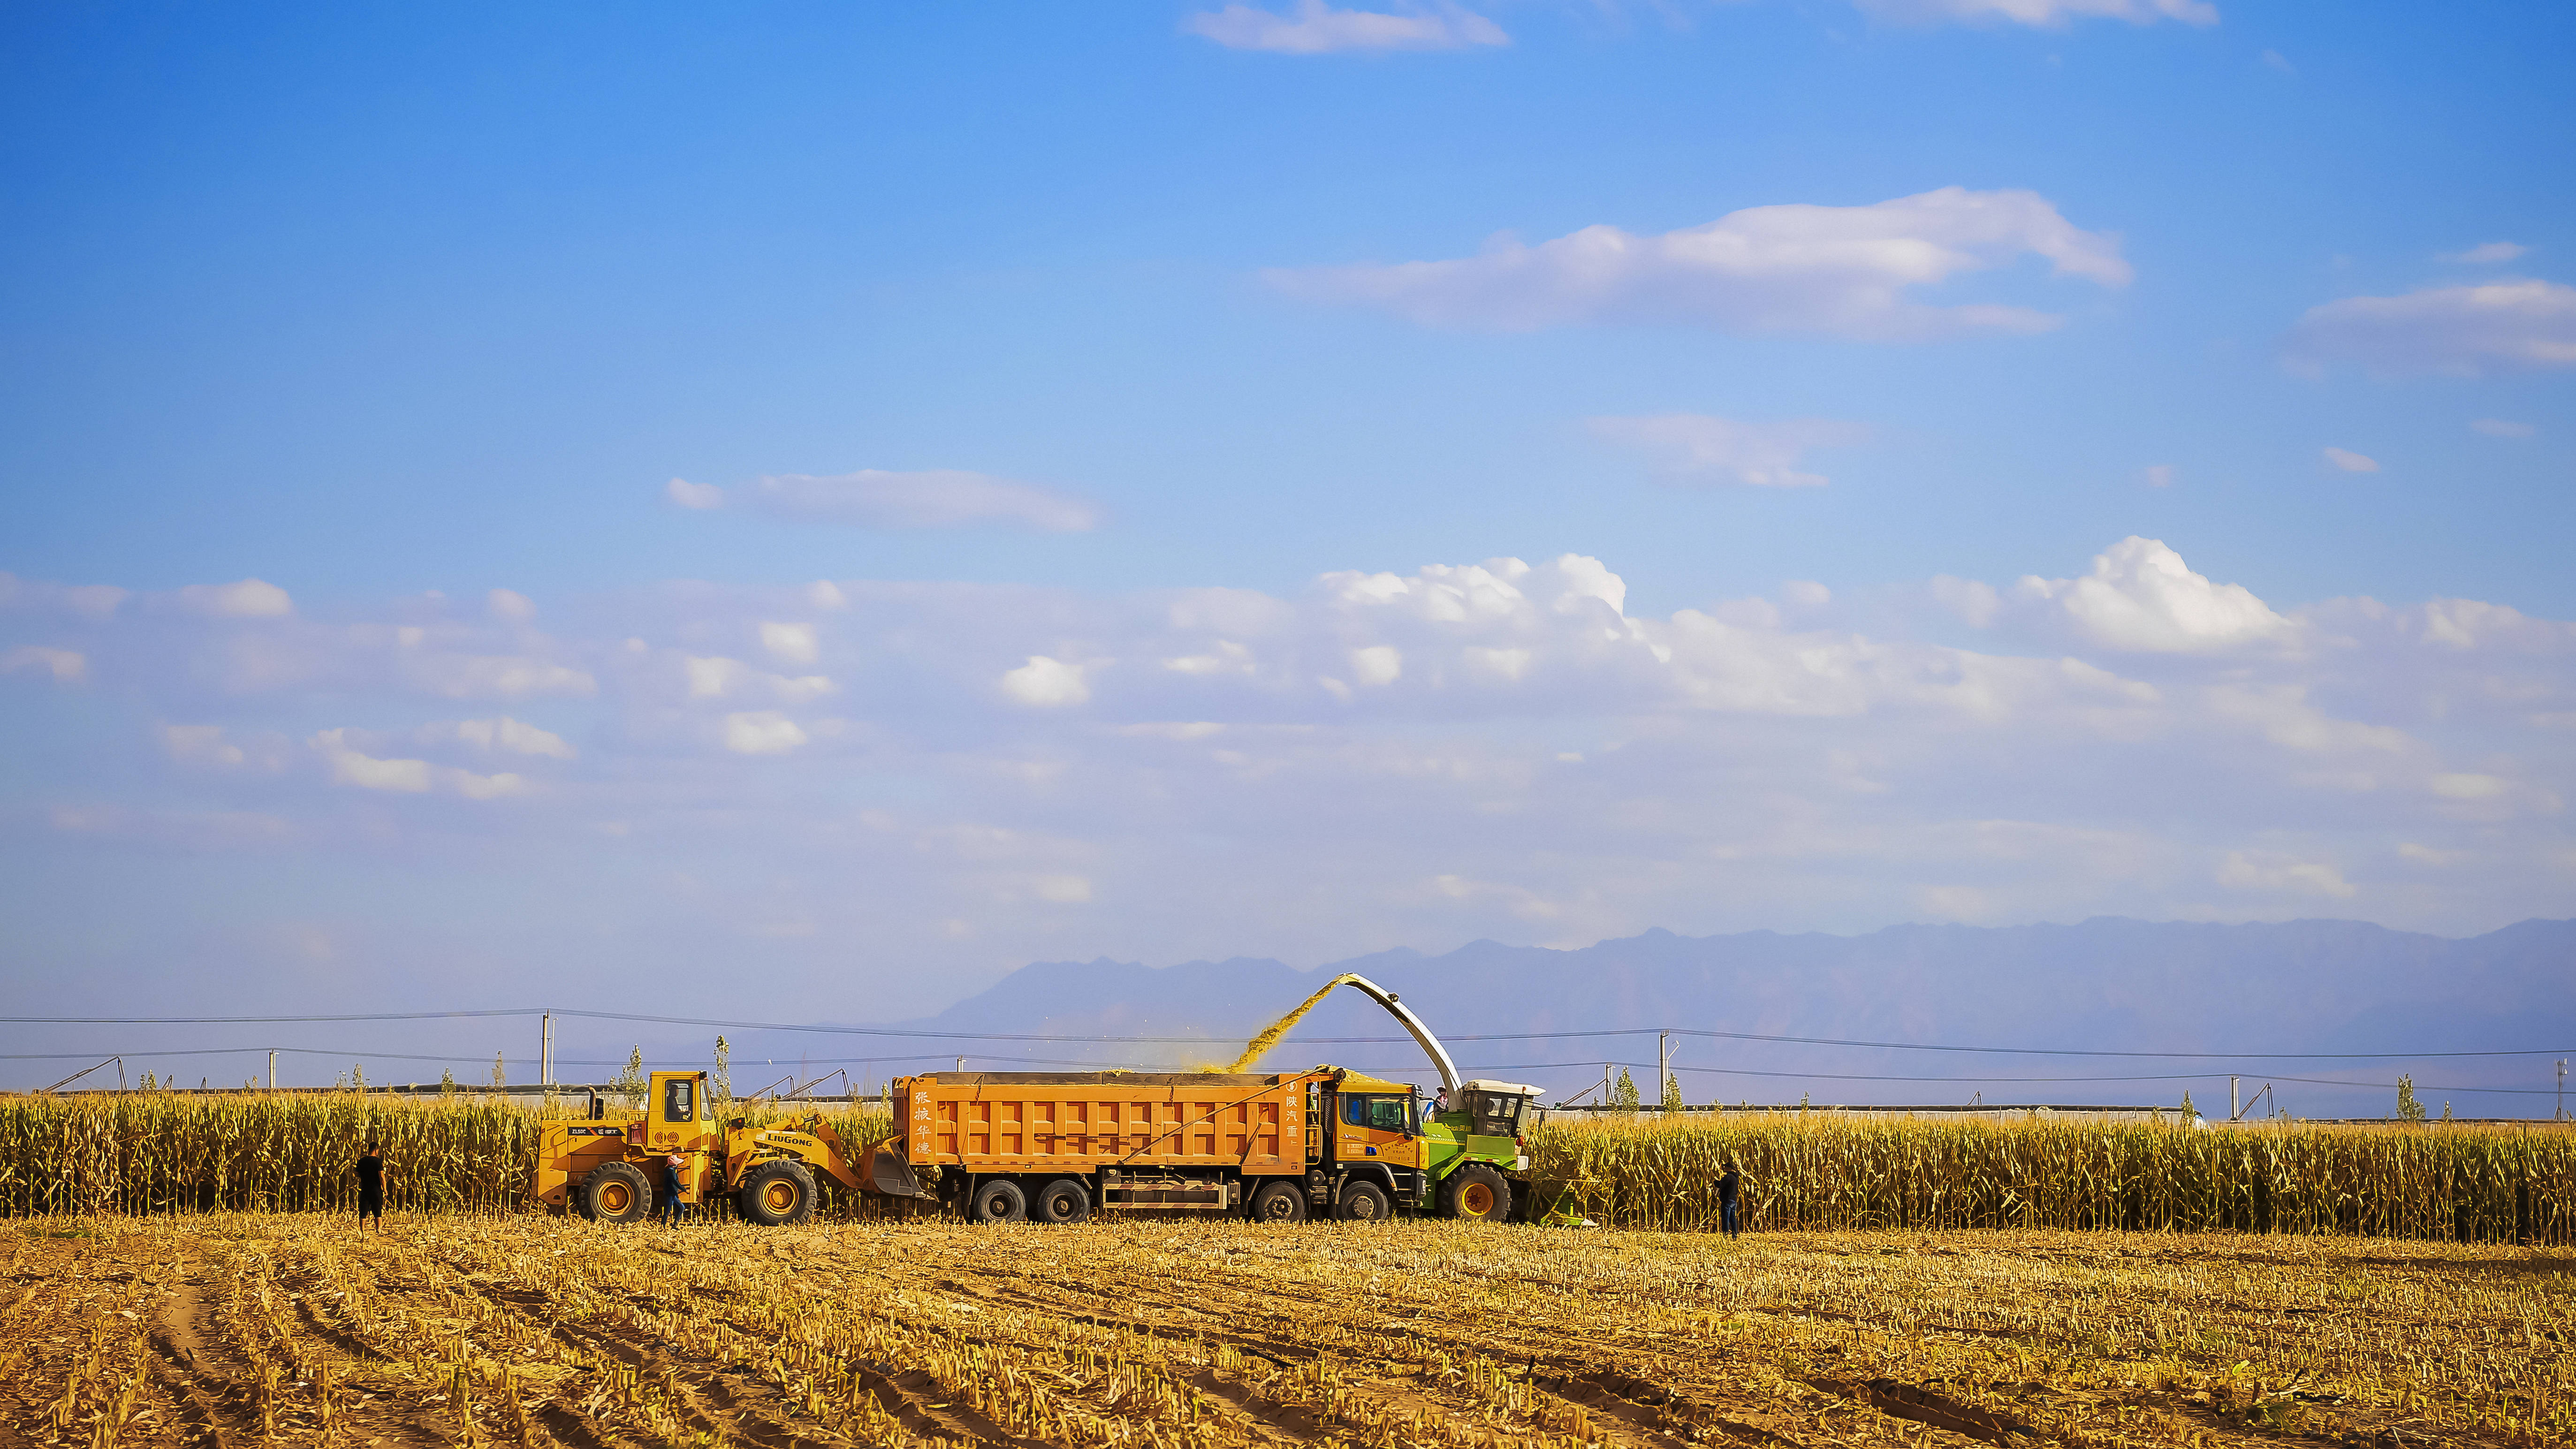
(546, 1050)
(272, 1069)
(2562, 1089)
(1605, 1084)
(2233, 1110)
(961, 1064)
(1664, 1067)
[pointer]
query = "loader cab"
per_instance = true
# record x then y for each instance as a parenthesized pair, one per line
(678, 1115)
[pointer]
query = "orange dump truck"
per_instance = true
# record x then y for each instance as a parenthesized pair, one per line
(1056, 1146)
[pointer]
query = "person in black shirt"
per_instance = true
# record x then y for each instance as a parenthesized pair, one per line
(1728, 1188)
(371, 1187)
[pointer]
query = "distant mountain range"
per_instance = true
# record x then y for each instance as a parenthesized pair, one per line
(2105, 985)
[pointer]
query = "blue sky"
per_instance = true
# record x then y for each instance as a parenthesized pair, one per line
(1081, 343)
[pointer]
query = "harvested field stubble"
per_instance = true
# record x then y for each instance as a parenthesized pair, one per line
(290, 1329)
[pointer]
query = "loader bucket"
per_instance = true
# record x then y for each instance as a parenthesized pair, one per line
(891, 1175)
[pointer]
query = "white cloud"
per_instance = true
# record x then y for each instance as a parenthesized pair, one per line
(367, 772)
(1845, 271)
(2349, 461)
(201, 744)
(67, 666)
(484, 787)
(1379, 664)
(94, 602)
(353, 766)
(1046, 683)
(2142, 596)
(1316, 28)
(762, 732)
(509, 606)
(2499, 428)
(248, 599)
(2486, 254)
(1802, 761)
(504, 734)
(1696, 448)
(2049, 14)
(2463, 786)
(684, 494)
(2277, 61)
(1064, 890)
(790, 643)
(485, 676)
(2276, 874)
(709, 678)
(2512, 324)
(940, 498)
(2157, 475)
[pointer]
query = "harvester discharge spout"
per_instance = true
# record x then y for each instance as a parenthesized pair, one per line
(1412, 1023)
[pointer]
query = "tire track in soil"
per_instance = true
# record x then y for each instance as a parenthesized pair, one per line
(196, 1355)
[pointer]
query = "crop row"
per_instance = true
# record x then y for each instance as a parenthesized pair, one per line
(155, 1153)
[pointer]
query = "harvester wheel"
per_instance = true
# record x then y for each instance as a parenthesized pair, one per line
(775, 1194)
(1061, 1201)
(998, 1201)
(1476, 1193)
(615, 1192)
(1280, 1202)
(1362, 1202)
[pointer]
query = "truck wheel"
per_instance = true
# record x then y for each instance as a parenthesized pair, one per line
(1280, 1202)
(998, 1201)
(1362, 1202)
(1476, 1193)
(1061, 1201)
(775, 1194)
(615, 1192)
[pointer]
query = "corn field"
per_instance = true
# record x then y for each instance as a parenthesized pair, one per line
(1817, 1170)
(160, 1153)
(147, 1152)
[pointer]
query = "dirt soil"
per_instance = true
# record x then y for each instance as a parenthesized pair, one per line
(239, 1330)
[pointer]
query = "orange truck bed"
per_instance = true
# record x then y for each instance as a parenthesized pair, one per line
(1081, 1122)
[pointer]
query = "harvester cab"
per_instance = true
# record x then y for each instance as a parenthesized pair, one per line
(612, 1168)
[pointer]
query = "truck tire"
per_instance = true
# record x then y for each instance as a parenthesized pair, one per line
(1362, 1202)
(775, 1194)
(615, 1192)
(1280, 1202)
(998, 1201)
(1476, 1193)
(1062, 1201)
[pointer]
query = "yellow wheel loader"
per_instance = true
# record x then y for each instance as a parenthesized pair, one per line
(613, 1169)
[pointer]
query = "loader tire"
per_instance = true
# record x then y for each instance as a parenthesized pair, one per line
(1476, 1193)
(1280, 1202)
(1362, 1202)
(1063, 1201)
(616, 1192)
(776, 1194)
(998, 1201)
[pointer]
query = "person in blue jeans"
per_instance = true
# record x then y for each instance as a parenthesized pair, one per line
(1729, 1188)
(674, 1205)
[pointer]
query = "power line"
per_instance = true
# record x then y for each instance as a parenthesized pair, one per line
(1406, 1069)
(928, 1035)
